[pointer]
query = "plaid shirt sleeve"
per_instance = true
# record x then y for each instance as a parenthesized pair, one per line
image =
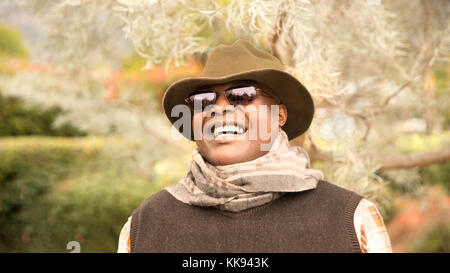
(369, 227)
(124, 238)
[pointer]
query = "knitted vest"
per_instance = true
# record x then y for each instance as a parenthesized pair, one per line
(318, 220)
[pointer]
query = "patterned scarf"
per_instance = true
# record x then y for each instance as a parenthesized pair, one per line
(240, 186)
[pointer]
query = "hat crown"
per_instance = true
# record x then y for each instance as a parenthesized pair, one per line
(237, 58)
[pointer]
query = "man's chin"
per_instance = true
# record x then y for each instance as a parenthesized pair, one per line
(230, 153)
(227, 140)
(223, 160)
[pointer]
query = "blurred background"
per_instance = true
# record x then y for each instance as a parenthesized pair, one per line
(83, 137)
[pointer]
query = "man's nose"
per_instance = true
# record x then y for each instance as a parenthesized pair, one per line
(222, 105)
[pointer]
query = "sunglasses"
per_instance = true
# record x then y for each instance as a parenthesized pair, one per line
(239, 95)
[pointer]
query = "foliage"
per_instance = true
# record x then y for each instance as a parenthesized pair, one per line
(437, 174)
(134, 62)
(92, 111)
(77, 37)
(154, 80)
(27, 167)
(411, 143)
(83, 51)
(436, 241)
(408, 181)
(11, 43)
(17, 119)
(421, 222)
(433, 174)
(441, 81)
(58, 190)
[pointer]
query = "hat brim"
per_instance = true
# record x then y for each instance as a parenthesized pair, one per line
(298, 101)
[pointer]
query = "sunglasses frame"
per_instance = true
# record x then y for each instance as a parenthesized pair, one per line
(217, 94)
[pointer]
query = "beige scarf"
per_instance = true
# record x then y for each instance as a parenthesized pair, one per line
(240, 186)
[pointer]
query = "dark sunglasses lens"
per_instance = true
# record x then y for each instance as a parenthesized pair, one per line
(241, 95)
(202, 100)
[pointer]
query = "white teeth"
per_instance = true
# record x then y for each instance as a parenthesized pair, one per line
(228, 128)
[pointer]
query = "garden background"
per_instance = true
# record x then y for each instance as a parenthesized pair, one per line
(83, 137)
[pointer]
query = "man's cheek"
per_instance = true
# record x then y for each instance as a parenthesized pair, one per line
(252, 113)
(197, 121)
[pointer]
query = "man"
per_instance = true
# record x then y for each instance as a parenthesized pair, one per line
(246, 189)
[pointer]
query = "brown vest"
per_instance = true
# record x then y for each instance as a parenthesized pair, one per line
(319, 220)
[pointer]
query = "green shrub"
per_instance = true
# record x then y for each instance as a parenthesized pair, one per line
(436, 241)
(437, 174)
(16, 119)
(56, 190)
(28, 166)
(11, 42)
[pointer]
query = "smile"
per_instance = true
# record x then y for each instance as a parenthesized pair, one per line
(228, 130)
(222, 130)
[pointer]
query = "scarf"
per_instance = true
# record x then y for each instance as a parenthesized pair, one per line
(240, 186)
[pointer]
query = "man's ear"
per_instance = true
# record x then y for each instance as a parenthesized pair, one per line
(282, 115)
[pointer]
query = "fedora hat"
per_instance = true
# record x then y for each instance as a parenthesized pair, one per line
(242, 61)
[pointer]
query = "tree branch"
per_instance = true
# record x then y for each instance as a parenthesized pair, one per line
(416, 159)
(393, 162)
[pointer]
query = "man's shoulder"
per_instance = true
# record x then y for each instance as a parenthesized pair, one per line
(337, 194)
(328, 194)
(158, 196)
(158, 200)
(326, 186)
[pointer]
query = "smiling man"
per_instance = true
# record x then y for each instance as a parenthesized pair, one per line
(247, 189)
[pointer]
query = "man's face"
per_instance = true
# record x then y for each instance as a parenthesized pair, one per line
(258, 125)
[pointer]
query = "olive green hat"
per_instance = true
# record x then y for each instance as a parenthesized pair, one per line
(242, 61)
